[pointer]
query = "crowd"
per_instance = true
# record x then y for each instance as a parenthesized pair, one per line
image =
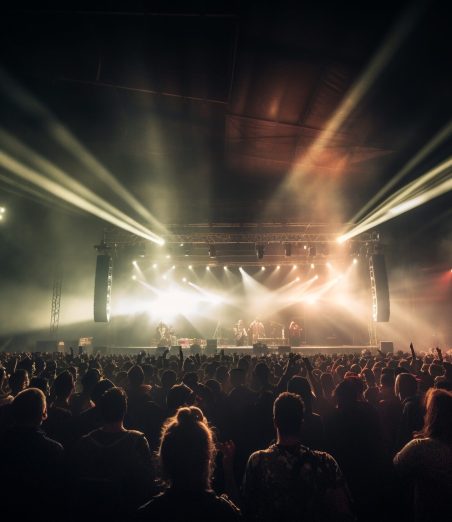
(261, 438)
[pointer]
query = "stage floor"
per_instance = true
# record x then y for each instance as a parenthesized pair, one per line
(230, 349)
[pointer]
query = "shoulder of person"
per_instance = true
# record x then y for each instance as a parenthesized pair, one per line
(226, 503)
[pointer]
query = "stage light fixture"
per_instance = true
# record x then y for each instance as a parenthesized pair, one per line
(287, 249)
(305, 247)
(212, 252)
(208, 268)
(190, 267)
(181, 245)
(262, 267)
(225, 267)
(173, 267)
(154, 265)
(260, 249)
(312, 265)
(184, 279)
(295, 266)
(134, 277)
(278, 267)
(134, 262)
(2, 210)
(355, 260)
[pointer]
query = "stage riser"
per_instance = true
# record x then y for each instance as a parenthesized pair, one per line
(229, 350)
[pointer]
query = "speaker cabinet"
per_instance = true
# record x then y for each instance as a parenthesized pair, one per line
(102, 288)
(211, 347)
(284, 349)
(387, 346)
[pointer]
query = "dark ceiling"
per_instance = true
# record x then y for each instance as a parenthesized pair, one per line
(203, 109)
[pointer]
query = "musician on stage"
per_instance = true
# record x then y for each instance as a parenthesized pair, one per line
(256, 330)
(240, 334)
(163, 334)
(295, 333)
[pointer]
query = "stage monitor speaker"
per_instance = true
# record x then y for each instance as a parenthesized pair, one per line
(260, 349)
(387, 346)
(381, 311)
(211, 346)
(102, 288)
(284, 349)
(174, 350)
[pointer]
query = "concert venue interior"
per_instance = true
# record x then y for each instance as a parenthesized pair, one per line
(320, 136)
(226, 261)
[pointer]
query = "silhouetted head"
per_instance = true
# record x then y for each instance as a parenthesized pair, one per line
(187, 449)
(135, 376)
(179, 395)
(63, 385)
(99, 389)
(29, 407)
(113, 406)
(288, 414)
(301, 386)
(405, 386)
(18, 381)
(438, 415)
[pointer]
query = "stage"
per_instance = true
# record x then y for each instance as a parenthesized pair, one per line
(230, 349)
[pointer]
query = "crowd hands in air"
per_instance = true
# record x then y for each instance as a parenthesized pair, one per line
(225, 438)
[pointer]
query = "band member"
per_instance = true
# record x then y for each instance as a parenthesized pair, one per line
(295, 333)
(240, 334)
(256, 330)
(163, 334)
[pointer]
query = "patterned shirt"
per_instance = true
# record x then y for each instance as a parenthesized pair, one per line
(289, 483)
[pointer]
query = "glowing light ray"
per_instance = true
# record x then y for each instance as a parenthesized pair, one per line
(441, 136)
(352, 99)
(63, 193)
(416, 193)
(21, 97)
(43, 165)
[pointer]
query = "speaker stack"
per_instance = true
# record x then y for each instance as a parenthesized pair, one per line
(380, 289)
(102, 288)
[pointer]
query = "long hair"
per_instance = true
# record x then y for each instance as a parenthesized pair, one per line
(187, 449)
(438, 416)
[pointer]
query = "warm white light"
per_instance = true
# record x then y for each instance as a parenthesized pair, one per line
(2, 210)
(278, 267)
(262, 267)
(154, 265)
(316, 276)
(181, 245)
(225, 267)
(208, 268)
(355, 261)
(173, 267)
(305, 247)
(295, 266)
(168, 256)
(184, 279)
(134, 277)
(164, 276)
(297, 279)
(328, 264)
(341, 239)
(190, 267)
(312, 265)
(134, 263)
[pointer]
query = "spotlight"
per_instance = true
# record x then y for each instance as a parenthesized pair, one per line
(2, 210)
(297, 279)
(312, 265)
(173, 267)
(278, 267)
(329, 265)
(184, 279)
(295, 266)
(181, 245)
(168, 256)
(305, 247)
(355, 260)
(212, 252)
(208, 268)
(260, 251)
(134, 263)
(225, 267)
(262, 267)
(134, 277)
(154, 265)
(287, 249)
(190, 267)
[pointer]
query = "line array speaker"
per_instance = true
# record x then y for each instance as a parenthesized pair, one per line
(381, 305)
(102, 288)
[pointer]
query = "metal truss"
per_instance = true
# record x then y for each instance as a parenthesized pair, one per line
(56, 299)
(240, 233)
